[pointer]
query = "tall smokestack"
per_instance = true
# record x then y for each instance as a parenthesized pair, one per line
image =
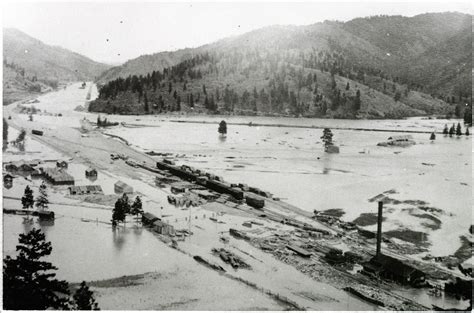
(379, 228)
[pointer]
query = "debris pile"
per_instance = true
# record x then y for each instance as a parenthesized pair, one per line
(185, 200)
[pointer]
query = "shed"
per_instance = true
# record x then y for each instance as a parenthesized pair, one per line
(148, 218)
(121, 187)
(91, 172)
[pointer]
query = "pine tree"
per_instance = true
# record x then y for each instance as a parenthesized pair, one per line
(84, 299)
(137, 206)
(467, 131)
(28, 282)
(27, 201)
(347, 86)
(222, 128)
(42, 199)
(327, 138)
(445, 130)
(458, 130)
(126, 204)
(145, 100)
(451, 131)
(357, 102)
(433, 136)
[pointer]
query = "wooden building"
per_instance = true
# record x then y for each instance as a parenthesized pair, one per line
(391, 268)
(58, 176)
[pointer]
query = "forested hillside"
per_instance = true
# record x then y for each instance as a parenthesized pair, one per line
(330, 69)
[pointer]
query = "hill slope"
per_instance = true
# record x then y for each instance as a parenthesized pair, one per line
(329, 69)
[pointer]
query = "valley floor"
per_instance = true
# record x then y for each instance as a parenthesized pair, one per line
(133, 268)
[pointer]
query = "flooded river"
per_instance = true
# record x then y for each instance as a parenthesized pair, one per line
(287, 161)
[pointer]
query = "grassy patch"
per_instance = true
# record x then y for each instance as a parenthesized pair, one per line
(408, 235)
(465, 251)
(334, 212)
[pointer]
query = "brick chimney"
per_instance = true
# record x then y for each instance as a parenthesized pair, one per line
(379, 228)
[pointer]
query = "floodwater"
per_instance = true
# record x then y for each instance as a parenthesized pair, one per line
(290, 163)
(287, 161)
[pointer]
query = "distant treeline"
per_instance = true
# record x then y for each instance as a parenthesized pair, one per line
(315, 83)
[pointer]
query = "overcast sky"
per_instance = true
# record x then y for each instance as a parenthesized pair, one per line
(115, 32)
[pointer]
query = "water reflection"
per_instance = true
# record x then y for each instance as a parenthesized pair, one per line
(326, 163)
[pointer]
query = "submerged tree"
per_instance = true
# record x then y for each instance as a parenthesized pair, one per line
(451, 131)
(42, 199)
(84, 299)
(27, 201)
(458, 130)
(327, 138)
(28, 282)
(222, 128)
(445, 130)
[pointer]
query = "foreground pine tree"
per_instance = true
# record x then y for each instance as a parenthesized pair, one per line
(28, 282)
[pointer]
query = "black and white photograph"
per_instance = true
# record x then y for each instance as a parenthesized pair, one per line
(237, 155)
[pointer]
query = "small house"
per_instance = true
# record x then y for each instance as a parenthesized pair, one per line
(163, 228)
(8, 181)
(61, 164)
(121, 187)
(91, 172)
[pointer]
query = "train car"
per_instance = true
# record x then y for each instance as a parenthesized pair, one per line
(223, 188)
